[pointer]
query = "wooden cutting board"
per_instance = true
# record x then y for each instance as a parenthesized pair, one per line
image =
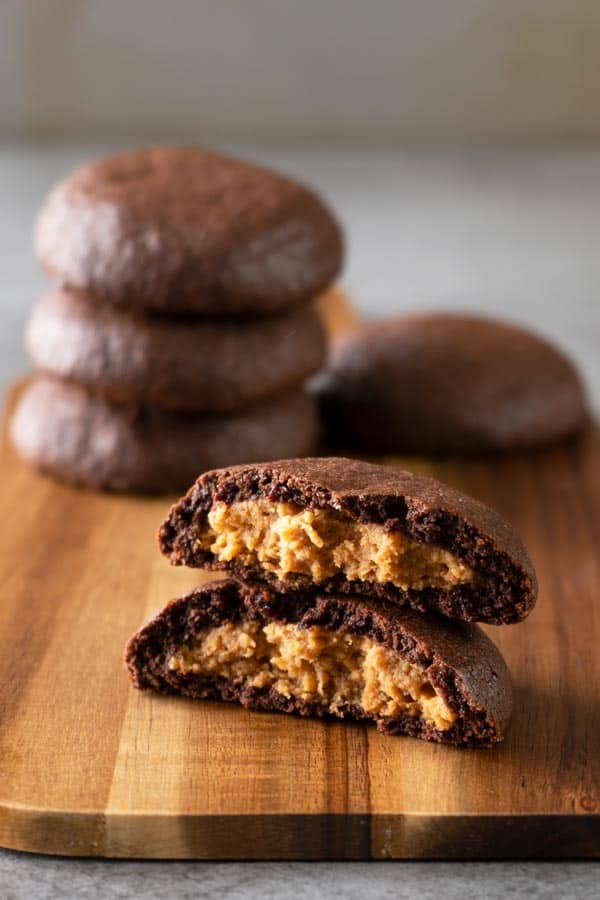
(90, 766)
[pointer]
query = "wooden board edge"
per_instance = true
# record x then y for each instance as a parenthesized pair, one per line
(294, 837)
(337, 311)
(300, 837)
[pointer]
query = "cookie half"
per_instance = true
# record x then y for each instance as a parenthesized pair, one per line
(188, 231)
(448, 384)
(344, 526)
(349, 657)
(81, 438)
(178, 364)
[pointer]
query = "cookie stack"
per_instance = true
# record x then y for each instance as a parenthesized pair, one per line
(354, 592)
(180, 329)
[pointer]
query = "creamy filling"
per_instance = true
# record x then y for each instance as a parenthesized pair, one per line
(317, 665)
(287, 539)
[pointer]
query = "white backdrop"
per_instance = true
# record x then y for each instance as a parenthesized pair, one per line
(509, 70)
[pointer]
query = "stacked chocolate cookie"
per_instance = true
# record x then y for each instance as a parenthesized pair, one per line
(354, 592)
(180, 330)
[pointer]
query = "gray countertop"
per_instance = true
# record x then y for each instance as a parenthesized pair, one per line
(513, 235)
(44, 878)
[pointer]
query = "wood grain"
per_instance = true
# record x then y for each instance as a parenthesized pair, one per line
(89, 766)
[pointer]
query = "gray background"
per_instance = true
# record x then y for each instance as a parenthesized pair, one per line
(457, 141)
(460, 70)
(46, 879)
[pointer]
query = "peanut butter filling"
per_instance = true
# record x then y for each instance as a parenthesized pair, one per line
(315, 665)
(287, 539)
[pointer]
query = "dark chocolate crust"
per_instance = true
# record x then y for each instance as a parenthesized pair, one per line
(444, 384)
(462, 663)
(188, 231)
(426, 510)
(82, 439)
(177, 364)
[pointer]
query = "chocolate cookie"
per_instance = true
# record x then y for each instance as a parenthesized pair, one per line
(327, 656)
(80, 438)
(177, 364)
(350, 527)
(448, 384)
(188, 231)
